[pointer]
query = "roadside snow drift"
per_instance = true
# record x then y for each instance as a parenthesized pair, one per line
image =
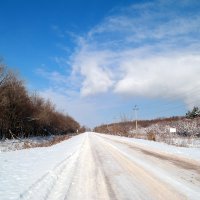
(20, 170)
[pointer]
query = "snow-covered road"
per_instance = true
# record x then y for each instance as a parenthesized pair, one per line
(94, 166)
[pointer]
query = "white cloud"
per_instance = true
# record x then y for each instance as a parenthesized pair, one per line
(169, 77)
(94, 67)
(145, 50)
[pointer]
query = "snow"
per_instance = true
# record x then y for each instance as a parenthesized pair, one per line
(189, 153)
(18, 144)
(34, 173)
(19, 170)
(169, 176)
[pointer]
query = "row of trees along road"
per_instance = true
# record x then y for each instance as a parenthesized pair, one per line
(24, 115)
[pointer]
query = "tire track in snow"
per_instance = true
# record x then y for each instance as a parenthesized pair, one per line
(176, 177)
(89, 181)
(41, 188)
(140, 184)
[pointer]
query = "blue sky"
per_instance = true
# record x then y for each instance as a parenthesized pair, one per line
(95, 60)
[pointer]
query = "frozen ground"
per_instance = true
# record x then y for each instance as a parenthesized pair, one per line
(94, 166)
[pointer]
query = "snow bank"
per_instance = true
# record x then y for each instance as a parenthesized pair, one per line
(21, 169)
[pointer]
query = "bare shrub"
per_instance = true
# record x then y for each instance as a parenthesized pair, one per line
(55, 140)
(188, 130)
(151, 136)
(138, 135)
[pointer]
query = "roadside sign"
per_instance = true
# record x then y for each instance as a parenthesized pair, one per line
(172, 130)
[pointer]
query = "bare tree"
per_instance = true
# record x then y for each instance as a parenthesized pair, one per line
(22, 115)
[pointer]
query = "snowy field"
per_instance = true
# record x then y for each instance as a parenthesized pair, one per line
(97, 166)
(20, 170)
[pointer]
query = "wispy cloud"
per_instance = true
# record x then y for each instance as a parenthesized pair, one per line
(143, 50)
(53, 76)
(146, 49)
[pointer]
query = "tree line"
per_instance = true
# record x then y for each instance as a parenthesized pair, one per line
(24, 115)
(125, 126)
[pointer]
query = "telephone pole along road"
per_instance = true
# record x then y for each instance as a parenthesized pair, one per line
(109, 167)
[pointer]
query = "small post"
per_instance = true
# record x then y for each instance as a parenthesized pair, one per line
(136, 109)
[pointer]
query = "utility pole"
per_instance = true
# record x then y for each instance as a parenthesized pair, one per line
(136, 110)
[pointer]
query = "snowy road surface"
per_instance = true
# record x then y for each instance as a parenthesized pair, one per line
(94, 166)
